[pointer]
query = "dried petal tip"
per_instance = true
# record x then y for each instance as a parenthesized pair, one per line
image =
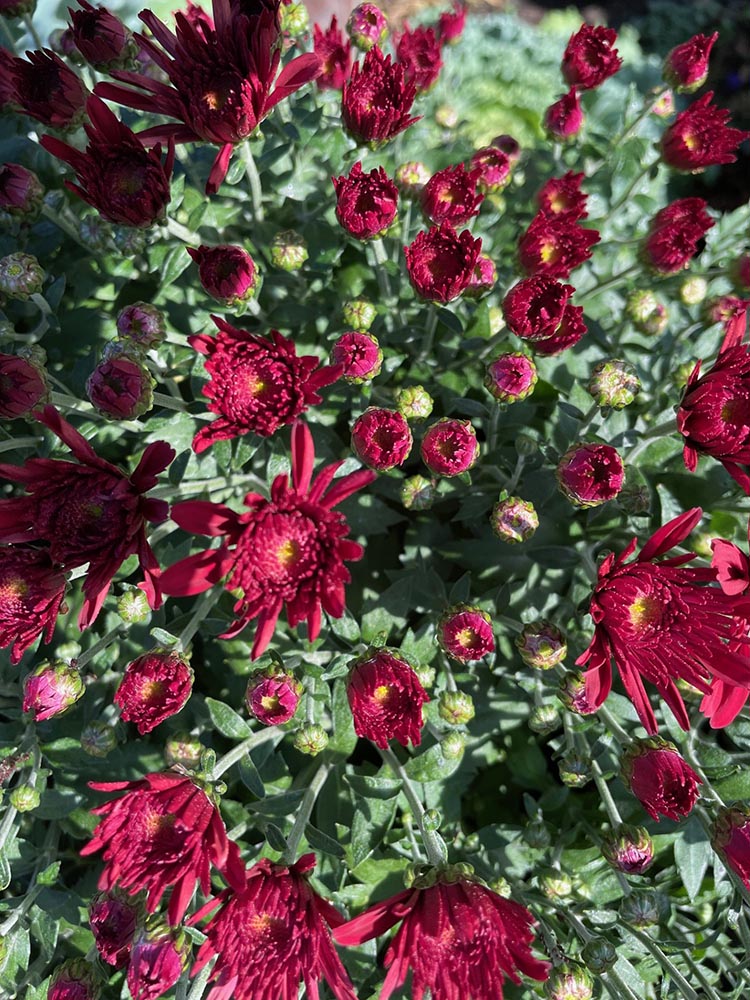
(465, 633)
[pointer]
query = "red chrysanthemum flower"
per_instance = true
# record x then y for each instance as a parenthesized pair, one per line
(156, 963)
(451, 23)
(359, 355)
(660, 622)
(44, 88)
(452, 195)
(23, 385)
(257, 385)
(51, 689)
(32, 589)
(686, 65)
(465, 633)
(290, 549)
(534, 307)
(674, 234)
(731, 840)
(121, 387)
(450, 447)
(564, 119)
(386, 697)
(366, 204)
(87, 511)
(271, 935)
(113, 917)
(100, 37)
(21, 191)
(441, 263)
(223, 78)
(562, 198)
(510, 378)
(335, 54)
(376, 99)
(589, 58)
(418, 50)
(572, 327)
(272, 695)
(699, 137)
(381, 438)
(590, 474)
(555, 245)
(657, 775)
(494, 166)
(154, 687)
(163, 833)
(459, 938)
(125, 182)
(227, 273)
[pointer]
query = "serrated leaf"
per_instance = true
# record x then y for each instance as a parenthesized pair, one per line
(227, 721)
(692, 853)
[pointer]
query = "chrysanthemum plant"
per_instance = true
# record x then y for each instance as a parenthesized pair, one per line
(374, 581)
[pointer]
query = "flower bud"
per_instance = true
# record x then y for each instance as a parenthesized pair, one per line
(647, 314)
(554, 884)
(156, 963)
(113, 916)
(52, 689)
(98, 739)
(495, 166)
(25, 798)
(599, 955)
(724, 308)
(359, 314)
(526, 445)
(514, 520)
(455, 707)
(367, 26)
(663, 106)
(465, 633)
(450, 447)
(289, 251)
(102, 39)
(129, 240)
(483, 278)
(381, 438)
(658, 776)
(575, 769)
(121, 387)
(446, 116)
(686, 65)
(18, 8)
(360, 355)
(590, 474)
(184, 750)
(731, 840)
(453, 745)
(544, 719)
(20, 276)
(542, 645)
(141, 325)
(21, 191)
(154, 687)
(133, 606)
(417, 493)
(415, 402)
(569, 981)
(614, 384)
(564, 119)
(74, 980)
(273, 695)
(693, 290)
(23, 381)
(645, 907)
(411, 178)
(629, 849)
(311, 739)
(96, 233)
(537, 835)
(425, 674)
(227, 273)
(739, 273)
(635, 498)
(432, 820)
(295, 19)
(572, 693)
(510, 378)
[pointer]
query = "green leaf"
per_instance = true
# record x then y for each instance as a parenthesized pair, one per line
(344, 738)
(373, 786)
(431, 765)
(692, 853)
(320, 841)
(735, 787)
(174, 264)
(5, 872)
(274, 836)
(227, 721)
(250, 777)
(49, 875)
(371, 822)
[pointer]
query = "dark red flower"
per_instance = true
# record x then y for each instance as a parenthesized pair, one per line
(32, 589)
(23, 386)
(45, 89)
(381, 438)
(360, 355)
(451, 195)
(568, 333)
(386, 698)
(125, 182)
(450, 447)
(376, 99)
(674, 234)
(418, 51)
(686, 65)
(272, 935)
(458, 937)
(564, 119)
(121, 387)
(440, 263)
(699, 137)
(555, 245)
(659, 621)
(731, 840)
(75, 979)
(51, 689)
(534, 307)
(100, 37)
(494, 168)
(154, 687)
(590, 474)
(113, 917)
(156, 963)
(87, 511)
(335, 54)
(562, 198)
(629, 849)
(465, 633)
(228, 273)
(366, 204)
(20, 191)
(141, 326)
(257, 385)
(589, 58)
(288, 550)
(657, 775)
(223, 78)
(163, 833)
(272, 695)
(451, 23)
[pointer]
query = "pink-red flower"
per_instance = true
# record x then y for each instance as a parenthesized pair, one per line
(335, 55)
(154, 687)
(656, 774)
(555, 245)
(163, 833)
(227, 273)
(113, 917)
(561, 197)
(661, 622)
(52, 689)
(32, 589)
(534, 307)
(381, 438)
(156, 962)
(731, 840)
(590, 474)
(564, 119)
(289, 549)
(451, 195)
(376, 99)
(590, 57)
(44, 88)
(87, 511)
(223, 78)
(272, 695)
(256, 385)
(494, 166)
(510, 378)
(100, 37)
(360, 356)
(465, 633)
(121, 387)
(366, 204)
(271, 935)
(674, 234)
(367, 26)
(458, 938)
(699, 137)
(686, 65)
(451, 23)
(418, 50)
(441, 262)
(386, 697)
(450, 447)
(23, 386)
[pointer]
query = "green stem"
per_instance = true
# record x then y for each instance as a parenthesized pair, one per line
(67, 228)
(612, 723)
(613, 282)
(666, 963)
(429, 334)
(204, 605)
(6, 826)
(105, 641)
(253, 178)
(237, 753)
(305, 810)
(624, 197)
(609, 803)
(381, 259)
(587, 420)
(33, 32)
(170, 402)
(183, 233)
(433, 842)
(516, 477)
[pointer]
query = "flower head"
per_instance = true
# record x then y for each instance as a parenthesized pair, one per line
(451, 195)
(561, 197)
(74, 980)
(32, 589)
(156, 963)
(542, 644)
(686, 65)
(359, 354)
(256, 385)
(411, 178)
(45, 89)
(272, 695)
(386, 699)
(674, 234)
(366, 204)
(418, 50)
(451, 23)
(656, 774)
(450, 447)
(731, 840)
(163, 833)
(335, 54)
(154, 687)
(381, 438)
(367, 26)
(514, 520)
(534, 307)
(227, 273)
(289, 549)
(465, 633)
(21, 191)
(564, 119)
(555, 245)
(629, 849)
(52, 689)
(121, 387)
(699, 137)
(494, 166)
(100, 37)
(510, 378)
(590, 57)
(113, 917)
(21, 276)
(440, 263)
(376, 99)
(590, 474)
(23, 384)
(141, 326)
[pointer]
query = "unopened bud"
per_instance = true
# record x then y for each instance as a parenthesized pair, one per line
(544, 719)
(25, 799)
(569, 981)
(21, 276)
(453, 745)
(446, 116)
(537, 834)
(542, 645)
(121, 387)
(514, 520)
(183, 749)
(575, 769)
(288, 251)
(141, 325)
(629, 849)
(273, 695)
(52, 689)
(360, 355)
(554, 884)
(21, 191)
(511, 378)
(311, 739)
(359, 314)
(414, 402)
(648, 315)
(614, 384)
(572, 693)
(693, 290)
(98, 739)
(645, 907)
(411, 178)
(456, 707)
(417, 493)
(425, 675)
(599, 955)
(367, 26)
(133, 606)
(295, 19)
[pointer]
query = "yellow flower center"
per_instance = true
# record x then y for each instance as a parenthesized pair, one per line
(270, 702)
(549, 252)
(12, 589)
(381, 694)
(644, 611)
(288, 553)
(466, 638)
(691, 141)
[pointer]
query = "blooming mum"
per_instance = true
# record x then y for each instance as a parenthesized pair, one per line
(657, 621)
(699, 137)
(366, 204)
(418, 50)
(227, 273)
(534, 307)
(686, 66)
(270, 935)
(450, 447)
(124, 181)
(376, 99)
(555, 245)
(87, 511)
(564, 119)
(674, 234)
(154, 687)
(32, 589)
(44, 88)
(440, 263)
(289, 549)
(590, 474)
(494, 166)
(561, 197)
(163, 833)
(272, 695)
(451, 195)
(335, 55)
(256, 385)
(465, 633)
(222, 75)
(458, 938)
(386, 698)
(23, 385)
(590, 57)
(657, 775)
(381, 438)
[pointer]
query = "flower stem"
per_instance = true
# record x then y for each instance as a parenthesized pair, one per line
(429, 335)
(29, 25)
(609, 803)
(434, 845)
(306, 807)
(27, 442)
(516, 477)
(170, 402)
(666, 963)
(200, 611)
(237, 753)
(253, 178)
(107, 639)
(613, 725)
(587, 420)
(612, 282)
(647, 437)
(381, 259)
(183, 233)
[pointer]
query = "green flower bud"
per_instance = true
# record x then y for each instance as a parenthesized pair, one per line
(311, 739)
(544, 719)
(417, 493)
(554, 884)
(98, 739)
(453, 745)
(514, 520)
(572, 693)
(537, 834)
(132, 606)
(425, 675)
(646, 312)
(693, 290)
(501, 886)
(575, 769)
(20, 276)
(128, 240)
(414, 402)
(599, 955)
(629, 849)
(295, 19)
(526, 445)
(645, 907)
(288, 251)
(569, 981)
(634, 498)
(359, 314)
(95, 233)
(456, 707)
(25, 798)
(614, 384)
(185, 750)
(542, 645)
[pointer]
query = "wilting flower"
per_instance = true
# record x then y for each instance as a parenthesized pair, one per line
(450, 447)
(125, 182)
(564, 119)
(223, 78)
(290, 549)
(376, 99)
(272, 934)
(52, 689)
(121, 387)
(510, 378)
(156, 963)
(381, 438)
(227, 273)
(659, 622)
(113, 917)
(590, 58)
(731, 840)
(451, 23)
(674, 234)
(141, 325)
(100, 37)
(514, 520)
(45, 89)
(23, 384)
(465, 633)
(31, 595)
(440, 263)
(154, 687)
(655, 773)
(87, 511)
(458, 937)
(366, 204)
(359, 354)
(562, 198)
(257, 385)
(272, 695)
(163, 833)
(335, 55)
(494, 168)
(686, 65)
(699, 137)
(555, 245)
(590, 474)
(386, 699)
(20, 190)
(418, 50)
(367, 26)
(451, 195)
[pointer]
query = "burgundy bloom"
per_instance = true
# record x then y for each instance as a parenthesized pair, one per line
(154, 687)
(381, 438)
(223, 78)
(657, 775)
(686, 66)
(289, 549)
(31, 595)
(534, 307)
(126, 183)
(494, 168)
(699, 137)
(562, 198)
(418, 51)
(163, 833)
(376, 100)
(113, 917)
(731, 840)
(51, 690)
(366, 204)
(465, 633)
(555, 245)
(121, 387)
(87, 511)
(739, 273)
(386, 698)
(20, 190)
(659, 621)
(458, 937)
(483, 278)
(74, 980)
(440, 263)
(590, 474)
(732, 567)
(510, 378)
(271, 935)
(273, 696)
(569, 332)
(450, 447)
(674, 234)
(227, 273)
(359, 354)
(155, 965)
(589, 58)
(23, 386)
(257, 385)
(451, 195)
(45, 89)
(335, 55)
(451, 23)
(100, 37)
(564, 119)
